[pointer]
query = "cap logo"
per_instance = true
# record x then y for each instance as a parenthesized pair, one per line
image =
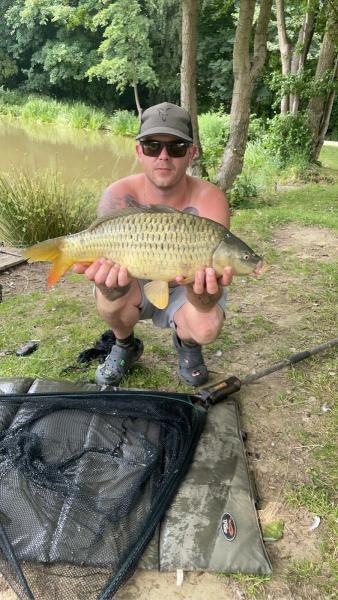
(163, 112)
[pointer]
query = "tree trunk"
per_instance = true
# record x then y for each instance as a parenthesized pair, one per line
(320, 105)
(285, 50)
(302, 47)
(137, 99)
(245, 75)
(188, 74)
(325, 120)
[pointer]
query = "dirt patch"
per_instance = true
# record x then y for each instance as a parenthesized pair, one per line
(308, 242)
(32, 277)
(275, 455)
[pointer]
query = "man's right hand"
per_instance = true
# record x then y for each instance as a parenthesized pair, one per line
(104, 273)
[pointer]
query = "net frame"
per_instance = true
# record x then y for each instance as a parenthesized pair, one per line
(180, 422)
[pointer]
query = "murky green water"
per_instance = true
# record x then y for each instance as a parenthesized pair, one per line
(77, 154)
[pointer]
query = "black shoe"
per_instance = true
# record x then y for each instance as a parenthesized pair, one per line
(118, 363)
(191, 368)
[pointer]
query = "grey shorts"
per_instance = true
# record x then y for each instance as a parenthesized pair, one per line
(164, 318)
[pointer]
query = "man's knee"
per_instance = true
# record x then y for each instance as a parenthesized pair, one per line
(121, 306)
(204, 328)
(205, 333)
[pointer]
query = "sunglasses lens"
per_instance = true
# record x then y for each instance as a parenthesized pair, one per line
(177, 149)
(154, 148)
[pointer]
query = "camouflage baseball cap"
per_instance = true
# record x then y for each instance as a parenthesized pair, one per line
(166, 118)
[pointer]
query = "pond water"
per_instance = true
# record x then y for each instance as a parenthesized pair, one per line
(77, 154)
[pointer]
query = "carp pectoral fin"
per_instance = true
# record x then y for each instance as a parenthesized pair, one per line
(157, 293)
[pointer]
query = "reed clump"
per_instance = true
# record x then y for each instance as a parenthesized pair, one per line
(37, 207)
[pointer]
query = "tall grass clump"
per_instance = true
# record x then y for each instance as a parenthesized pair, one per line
(41, 109)
(11, 102)
(260, 173)
(214, 130)
(82, 116)
(35, 208)
(123, 122)
(260, 166)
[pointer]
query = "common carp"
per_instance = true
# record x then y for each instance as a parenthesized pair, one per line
(153, 242)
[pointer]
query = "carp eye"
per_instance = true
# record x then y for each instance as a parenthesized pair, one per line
(246, 256)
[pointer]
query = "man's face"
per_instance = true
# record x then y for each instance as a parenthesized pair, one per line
(165, 171)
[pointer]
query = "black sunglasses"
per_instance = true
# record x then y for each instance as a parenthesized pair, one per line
(154, 148)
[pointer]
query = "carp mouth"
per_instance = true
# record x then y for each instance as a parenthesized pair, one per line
(260, 268)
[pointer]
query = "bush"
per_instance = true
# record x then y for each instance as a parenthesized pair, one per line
(214, 132)
(261, 167)
(288, 136)
(242, 191)
(40, 207)
(257, 128)
(124, 122)
(11, 102)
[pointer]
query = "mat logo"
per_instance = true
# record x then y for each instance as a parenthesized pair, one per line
(229, 528)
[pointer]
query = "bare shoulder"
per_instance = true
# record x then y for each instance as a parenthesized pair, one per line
(210, 201)
(114, 195)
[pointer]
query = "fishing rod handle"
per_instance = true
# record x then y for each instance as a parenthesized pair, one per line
(221, 390)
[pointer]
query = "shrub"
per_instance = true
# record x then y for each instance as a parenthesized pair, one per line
(124, 122)
(40, 207)
(242, 191)
(260, 166)
(257, 128)
(11, 102)
(288, 136)
(214, 132)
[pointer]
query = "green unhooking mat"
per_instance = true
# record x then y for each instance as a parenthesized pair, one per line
(96, 482)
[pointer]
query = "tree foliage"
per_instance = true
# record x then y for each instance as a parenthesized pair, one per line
(116, 53)
(126, 55)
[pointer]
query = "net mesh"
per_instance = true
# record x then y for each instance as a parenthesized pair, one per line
(84, 481)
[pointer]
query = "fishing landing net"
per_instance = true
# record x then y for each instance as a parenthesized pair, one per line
(85, 479)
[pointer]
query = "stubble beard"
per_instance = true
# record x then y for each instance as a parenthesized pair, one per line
(167, 184)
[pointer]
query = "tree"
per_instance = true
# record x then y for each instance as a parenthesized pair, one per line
(216, 34)
(50, 42)
(164, 37)
(245, 75)
(125, 49)
(293, 56)
(309, 64)
(188, 72)
(325, 84)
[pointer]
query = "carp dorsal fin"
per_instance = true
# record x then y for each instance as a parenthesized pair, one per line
(150, 208)
(132, 209)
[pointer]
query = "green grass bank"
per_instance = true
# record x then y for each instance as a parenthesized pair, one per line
(290, 418)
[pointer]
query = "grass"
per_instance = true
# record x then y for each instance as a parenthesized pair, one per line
(40, 109)
(65, 322)
(35, 208)
(252, 584)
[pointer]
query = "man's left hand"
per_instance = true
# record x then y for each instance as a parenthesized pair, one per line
(206, 289)
(207, 281)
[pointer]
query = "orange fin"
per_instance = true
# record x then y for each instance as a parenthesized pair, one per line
(51, 251)
(59, 267)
